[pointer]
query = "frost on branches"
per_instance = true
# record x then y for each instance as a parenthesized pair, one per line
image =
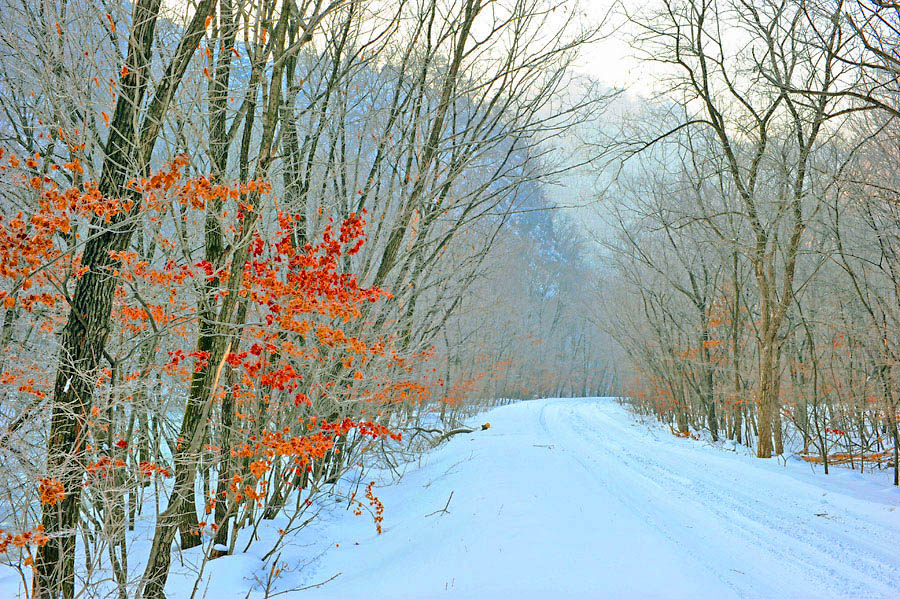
(201, 419)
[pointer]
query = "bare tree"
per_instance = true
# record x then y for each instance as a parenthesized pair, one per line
(768, 137)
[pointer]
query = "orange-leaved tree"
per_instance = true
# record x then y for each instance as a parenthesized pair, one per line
(272, 403)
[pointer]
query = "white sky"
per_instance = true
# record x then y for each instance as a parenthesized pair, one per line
(612, 61)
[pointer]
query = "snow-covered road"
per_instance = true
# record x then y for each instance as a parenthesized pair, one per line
(573, 498)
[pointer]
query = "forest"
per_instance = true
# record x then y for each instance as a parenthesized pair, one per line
(756, 248)
(255, 254)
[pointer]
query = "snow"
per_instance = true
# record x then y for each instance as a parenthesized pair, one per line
(575, 498)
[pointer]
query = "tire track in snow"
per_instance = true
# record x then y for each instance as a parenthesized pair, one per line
(636, 498)
(868, 560)
(786, 537)
(801, 552)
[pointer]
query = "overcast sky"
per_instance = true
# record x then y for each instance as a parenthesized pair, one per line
(613, 61)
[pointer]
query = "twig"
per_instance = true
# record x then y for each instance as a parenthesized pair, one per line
(312, 586)
(443, 511)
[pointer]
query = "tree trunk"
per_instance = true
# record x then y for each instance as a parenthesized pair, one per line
(766, 401)
(84, 337)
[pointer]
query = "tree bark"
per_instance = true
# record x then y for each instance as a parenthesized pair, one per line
(84, 337)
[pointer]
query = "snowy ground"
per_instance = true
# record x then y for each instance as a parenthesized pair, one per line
(573, 498)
